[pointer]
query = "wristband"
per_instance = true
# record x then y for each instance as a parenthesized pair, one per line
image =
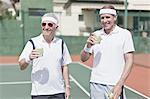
(88, 50)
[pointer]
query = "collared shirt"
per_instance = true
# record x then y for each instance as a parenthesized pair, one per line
(47, 70)
(109, 59)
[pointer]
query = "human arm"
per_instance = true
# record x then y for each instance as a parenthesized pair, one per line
(28, 54)
(65, 72)
(126, 71)
(24, 62)
(84, 56)
(66, 59)
(86, 52)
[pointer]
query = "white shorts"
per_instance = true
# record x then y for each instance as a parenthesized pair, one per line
(101, 91)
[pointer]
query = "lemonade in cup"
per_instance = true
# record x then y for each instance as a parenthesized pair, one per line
(98, 38)
(40, 51)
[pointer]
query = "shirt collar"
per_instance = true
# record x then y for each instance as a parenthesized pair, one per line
(44, 41)
(115, 30)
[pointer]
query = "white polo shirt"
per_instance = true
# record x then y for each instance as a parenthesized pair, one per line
(46, 74)
(109, 59)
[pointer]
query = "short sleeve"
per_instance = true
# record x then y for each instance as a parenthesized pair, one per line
(26, 51)
(128, 43)
(66, 56)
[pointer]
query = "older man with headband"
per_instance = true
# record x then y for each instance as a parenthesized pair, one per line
(113, 57)
(49, 57)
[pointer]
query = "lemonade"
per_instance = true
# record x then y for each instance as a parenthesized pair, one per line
(110, 96)
(98, 38)
(40, 51)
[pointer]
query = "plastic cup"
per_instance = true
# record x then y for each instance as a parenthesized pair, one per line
(110, 96)
(40, 51)
(98, 38)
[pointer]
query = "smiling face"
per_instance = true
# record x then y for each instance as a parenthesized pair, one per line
(108, 22)
(48, 28)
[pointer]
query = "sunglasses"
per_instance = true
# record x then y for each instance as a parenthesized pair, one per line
(49, 24)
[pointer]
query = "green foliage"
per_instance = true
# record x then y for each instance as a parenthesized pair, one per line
(7, 15)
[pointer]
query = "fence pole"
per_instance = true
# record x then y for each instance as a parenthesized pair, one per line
(22, 27)
(126, 14)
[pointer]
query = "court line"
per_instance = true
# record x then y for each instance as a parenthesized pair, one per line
(80, 86)
(129, 88)
(8, 64)
(15, 83)
(72, 79)
(18, 82)
(77, 62)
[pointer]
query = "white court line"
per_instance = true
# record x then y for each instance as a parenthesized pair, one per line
(29, 82)
(125, 85)
(137, 92)
(77, 62)
(18, 82)
(80, 86)
(15, 83)
(7, 64)
(72, 79)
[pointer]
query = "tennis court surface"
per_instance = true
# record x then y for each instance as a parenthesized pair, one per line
(16, 84)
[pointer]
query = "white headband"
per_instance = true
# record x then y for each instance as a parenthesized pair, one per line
(108, 11)
(50, 19)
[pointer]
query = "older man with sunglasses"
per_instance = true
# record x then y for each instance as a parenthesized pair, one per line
(113, 56)
(49, 57)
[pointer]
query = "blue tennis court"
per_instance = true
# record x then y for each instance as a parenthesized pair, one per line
(16, 84)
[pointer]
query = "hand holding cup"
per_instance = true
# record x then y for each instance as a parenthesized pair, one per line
(40, 51)
(97, 38)
(111, 96)
(36, 53)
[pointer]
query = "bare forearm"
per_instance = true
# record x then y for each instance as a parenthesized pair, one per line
(84, 56)
(127, 68)
(23, 65)
(25, 61)
(86, 52)
(65, 72)
(66, 76)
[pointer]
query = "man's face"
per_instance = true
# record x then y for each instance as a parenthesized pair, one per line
(107, 21)
(48, 28)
